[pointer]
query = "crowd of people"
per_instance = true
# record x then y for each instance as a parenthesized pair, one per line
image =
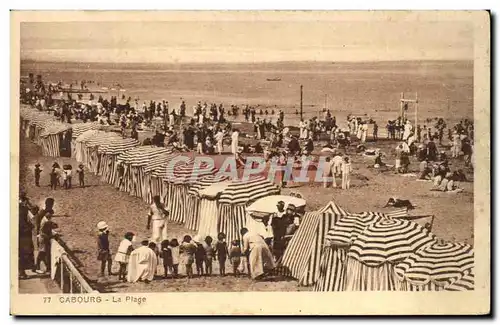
(257, 254)
(207, 131)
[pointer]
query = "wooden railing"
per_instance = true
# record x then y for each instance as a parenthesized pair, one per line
(67, 276)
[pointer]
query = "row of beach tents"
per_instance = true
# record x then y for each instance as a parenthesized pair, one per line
(332, 250)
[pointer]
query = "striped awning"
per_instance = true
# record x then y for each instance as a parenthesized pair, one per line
(205, 182)
(55, 127)
(242, 192)
(79, 128)
(87, 135)
(140, 156)
(390, 241)
(441, 263)
(118, 146)
(187, 171)
(465, 283)
(159, 164)
(102, 138)
(348, 228)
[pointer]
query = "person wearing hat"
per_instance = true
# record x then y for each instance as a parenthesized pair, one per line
(123, 255)
(38, 171)
(103, 251)
(142, 263)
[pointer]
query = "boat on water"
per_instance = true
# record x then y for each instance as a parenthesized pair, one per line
(273, 79)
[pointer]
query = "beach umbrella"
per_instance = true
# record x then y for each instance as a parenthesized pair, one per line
(435, 266)
(337, 241)
(465, 283)
(268, 204)
(375, 251)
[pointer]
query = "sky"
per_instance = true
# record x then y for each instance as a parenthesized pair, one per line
(245, 41)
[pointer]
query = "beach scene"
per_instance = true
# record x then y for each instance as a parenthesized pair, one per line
(389, 118)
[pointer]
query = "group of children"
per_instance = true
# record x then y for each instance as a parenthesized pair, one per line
(190, 251)
(58, 174)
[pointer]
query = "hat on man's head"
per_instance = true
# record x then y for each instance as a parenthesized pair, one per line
(290, 207)
(102, 225)
(280, 203)
(37, 165)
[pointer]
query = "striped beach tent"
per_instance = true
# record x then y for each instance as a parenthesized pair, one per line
(153, 172)
(78, 129)
(301, 259)
(383, 244)
(193, 201)
(223, 205)
(337, 242)
(55, 139)
(435, 266)
(80, 150)
(92, 144)
(108, 153)
(179, 179)
(465, 283)
(134, 162)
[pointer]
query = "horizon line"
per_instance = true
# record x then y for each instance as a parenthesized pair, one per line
(244, 62)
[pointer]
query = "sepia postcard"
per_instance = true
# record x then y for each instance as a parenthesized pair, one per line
(250, 163)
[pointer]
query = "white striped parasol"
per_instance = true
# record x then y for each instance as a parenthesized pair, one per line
(348, 228)
(441, 263)
(390, 241)
(465, 283)
(242, 192)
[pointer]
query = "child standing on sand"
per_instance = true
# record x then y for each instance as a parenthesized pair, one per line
(103, 251)
(346, 174)
(38, 171)
(221, 252)
(174, 248)
(81, 175)
(123, 255)
(235, 255)
(209, 255)
(166, 255)
(188, 249)
(199, 256)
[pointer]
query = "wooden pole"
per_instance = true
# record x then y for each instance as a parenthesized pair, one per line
(401, 105)
(301, 87)
(416, 110)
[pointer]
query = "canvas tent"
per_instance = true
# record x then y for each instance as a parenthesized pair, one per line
(301, 259)
(223, 205)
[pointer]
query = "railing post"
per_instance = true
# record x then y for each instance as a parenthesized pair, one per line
(61, 265)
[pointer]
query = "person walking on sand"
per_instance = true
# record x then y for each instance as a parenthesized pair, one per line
(158, 214)
(346, 174)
